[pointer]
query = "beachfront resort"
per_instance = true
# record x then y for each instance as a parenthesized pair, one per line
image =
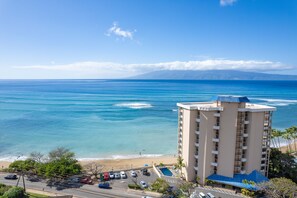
(226, 140)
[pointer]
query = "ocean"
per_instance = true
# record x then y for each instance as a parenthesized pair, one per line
(116, 118)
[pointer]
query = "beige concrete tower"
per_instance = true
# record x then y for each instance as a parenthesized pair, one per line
(225, 137)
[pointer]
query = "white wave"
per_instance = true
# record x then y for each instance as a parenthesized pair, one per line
(12, 158)
(135, 105)
(115, 157)
(276, 102)
(174, 109)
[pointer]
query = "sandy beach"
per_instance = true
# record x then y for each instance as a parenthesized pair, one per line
(285, 148)
(120, 164)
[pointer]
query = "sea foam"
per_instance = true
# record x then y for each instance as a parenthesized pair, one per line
(276, 102)
(135, 105)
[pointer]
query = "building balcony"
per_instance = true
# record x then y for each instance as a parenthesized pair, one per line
(180, 139)
(181, 122)
(181, 116)
(264, 146)
(214, 163)
(244, 147)
(216, 127)
(197, 119)
(197, 132)
(217, 114)
(243, 159)
(263, 159)
(196, 168)
(196, 156)
(181, 128)
(215, 139)
(242, 172)
(263, 164)
(196, 144)
(264, 152)
(266, 128)
(246, 122)
(245, 135)
(215, 152)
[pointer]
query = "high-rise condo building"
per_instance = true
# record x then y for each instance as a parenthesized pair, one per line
(227, 138)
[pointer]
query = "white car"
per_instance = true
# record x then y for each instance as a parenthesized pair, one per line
(123, 175)
(111, 175)
(117, 176)
(133, 173)
(143, 184)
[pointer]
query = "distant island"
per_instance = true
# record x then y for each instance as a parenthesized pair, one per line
(212, 75)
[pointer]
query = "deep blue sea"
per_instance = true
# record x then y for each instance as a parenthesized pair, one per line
(116, 118)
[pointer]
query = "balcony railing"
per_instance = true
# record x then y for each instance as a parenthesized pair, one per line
(196, 168)
(217, 114)
(246, 122)
(245, 135)
(196, 156)
(216, 152)
(242, 172)
(243, 159)
(215, 139)
(216, 127)
(197, 132)
(196, 144)
(197, 119)
(214, 164)
(244, 147)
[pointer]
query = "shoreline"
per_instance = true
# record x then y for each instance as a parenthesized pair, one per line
(119, 163)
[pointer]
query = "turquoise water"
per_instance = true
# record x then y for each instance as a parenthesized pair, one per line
(166, 172)
(116, 118)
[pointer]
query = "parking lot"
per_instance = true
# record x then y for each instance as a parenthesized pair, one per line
(123, 183)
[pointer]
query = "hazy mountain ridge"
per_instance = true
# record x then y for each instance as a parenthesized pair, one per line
(212, 75)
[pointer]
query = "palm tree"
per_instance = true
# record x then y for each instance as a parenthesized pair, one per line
(293, 135)
(276, 134)
(287, 136)
(180, 164)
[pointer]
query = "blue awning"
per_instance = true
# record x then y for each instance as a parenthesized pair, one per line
(237, 99)
(237, 179)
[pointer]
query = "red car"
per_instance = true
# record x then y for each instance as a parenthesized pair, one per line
(106, 176)
(86, 180)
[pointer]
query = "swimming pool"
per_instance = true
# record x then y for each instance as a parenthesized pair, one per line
(166, 171)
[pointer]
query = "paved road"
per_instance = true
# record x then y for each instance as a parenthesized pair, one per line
(216, 192)
(81, 191)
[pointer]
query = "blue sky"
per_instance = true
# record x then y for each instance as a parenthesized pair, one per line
(120, 38)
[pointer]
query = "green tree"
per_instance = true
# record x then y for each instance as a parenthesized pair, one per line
(15, 192)
(198, 179)
(282, 165)
(160, 186)
(279, 187)
(275, 135)
(248, 193)
(60, 153)
(186, 187)
(292, 132)
(180, 164)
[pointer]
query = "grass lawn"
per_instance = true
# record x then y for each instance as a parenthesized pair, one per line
(34, 195)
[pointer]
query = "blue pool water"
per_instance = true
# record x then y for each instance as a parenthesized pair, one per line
(166, 171)
(117, 118)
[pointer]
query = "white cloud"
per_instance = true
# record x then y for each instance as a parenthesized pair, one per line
(118, 70)
(227, 2)
(117, 31)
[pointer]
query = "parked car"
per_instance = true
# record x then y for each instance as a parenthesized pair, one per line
(104, 185)
(123, 175)
(111, 175)
(143, 184)
(74, 180)
(10, 177)
(209, 195)
(86, 180)
(133, 173)
(117, 176)
(106, 176)
(145, 172)
(202, 195)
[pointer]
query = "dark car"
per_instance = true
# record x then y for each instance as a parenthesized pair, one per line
(145, 172)
(104, 185)
(11, 177)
